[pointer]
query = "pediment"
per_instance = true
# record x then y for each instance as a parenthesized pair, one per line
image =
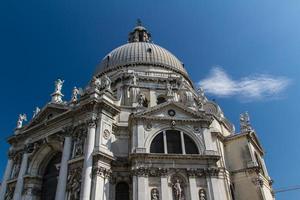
(164, 111)
(47, 113)
(255, 140)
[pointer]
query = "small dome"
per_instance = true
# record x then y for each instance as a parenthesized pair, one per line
(140, 53)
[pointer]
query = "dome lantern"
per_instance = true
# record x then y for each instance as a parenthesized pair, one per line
(139, 33)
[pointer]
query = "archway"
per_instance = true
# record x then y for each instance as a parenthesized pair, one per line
(50, 178)
(122, 191)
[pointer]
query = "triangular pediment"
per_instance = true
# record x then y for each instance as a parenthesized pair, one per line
(47, 113)
(174, 110)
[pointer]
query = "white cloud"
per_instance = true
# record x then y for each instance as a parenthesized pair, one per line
(256, 87)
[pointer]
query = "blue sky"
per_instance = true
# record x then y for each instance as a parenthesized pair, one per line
(244, 40)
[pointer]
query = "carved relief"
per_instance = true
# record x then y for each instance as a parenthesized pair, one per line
(154, 194)
(74, 183)
(103, 172)
(106, 134)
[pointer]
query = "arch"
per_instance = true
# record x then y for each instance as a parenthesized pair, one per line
(173, 141)
(41, 158)
(188, 131)
(122, 191)
(50, 179)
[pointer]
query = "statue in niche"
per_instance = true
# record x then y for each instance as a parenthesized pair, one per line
(169, 90)
(21, 119)
(142, 101)
(78, 146)
(154, 194)
(74, 183)
(202, 194)
(134, 79)
(178, 190)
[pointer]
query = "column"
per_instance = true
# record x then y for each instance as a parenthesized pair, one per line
(165, 142)
(88, 162)
(20, 180)
(100, 190)
(142, 186)
(6, 177)
(193, 188)
(182, 143)
(63, 171)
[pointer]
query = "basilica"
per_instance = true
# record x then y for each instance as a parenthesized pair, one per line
(139, 130)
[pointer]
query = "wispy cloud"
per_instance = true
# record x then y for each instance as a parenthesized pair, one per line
(250, 88)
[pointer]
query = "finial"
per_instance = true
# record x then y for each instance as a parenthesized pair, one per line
(139, 22)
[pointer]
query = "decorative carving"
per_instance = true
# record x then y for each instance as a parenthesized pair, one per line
(102, 83)
(195, 172)
(21, 119)
(202, 194)
(212, 171)
(141, 171)
(32, 191)
(173, 124)
(106, 134)
(148, 126)
(154, 194)
(258, 182)
(74, 183)
(102, 171)
(201, 99)
(245, 125)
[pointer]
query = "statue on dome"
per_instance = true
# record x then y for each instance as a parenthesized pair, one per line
(36, 112)
(21, 119)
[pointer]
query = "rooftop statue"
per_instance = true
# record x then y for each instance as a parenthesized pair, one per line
(22, 117)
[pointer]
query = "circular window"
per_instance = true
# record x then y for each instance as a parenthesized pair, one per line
(172, 113)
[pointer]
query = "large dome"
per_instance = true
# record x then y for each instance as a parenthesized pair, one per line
(140, 51)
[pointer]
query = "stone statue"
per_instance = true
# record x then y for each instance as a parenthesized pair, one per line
(58, 85)
(201, 98)
(202, 194)
(78, 146)
(106, 82)
(75, 94)
(141, 100)
(36, 112)
(57, 95)
(134, 79)
(22, 117)
(178, 192)
(154, 194)
(245, 125)
(169, 90)
(96, 82)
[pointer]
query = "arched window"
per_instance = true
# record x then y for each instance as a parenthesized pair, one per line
(122, 191)
(50, 178)
(173, 142)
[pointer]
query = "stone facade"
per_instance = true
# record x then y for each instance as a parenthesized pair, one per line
(138, 131)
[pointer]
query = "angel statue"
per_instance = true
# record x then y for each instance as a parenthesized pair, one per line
(22, 117)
